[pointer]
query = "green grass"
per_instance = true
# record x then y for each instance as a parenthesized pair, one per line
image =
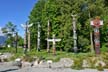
(43, 54)
(59, 54)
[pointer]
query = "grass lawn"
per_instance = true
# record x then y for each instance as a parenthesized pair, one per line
(43, 54)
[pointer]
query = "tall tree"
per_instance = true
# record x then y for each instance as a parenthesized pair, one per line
(59, 13)
(35, 17)
(9, 30)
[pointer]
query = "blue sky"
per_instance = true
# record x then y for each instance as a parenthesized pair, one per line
(16, 11)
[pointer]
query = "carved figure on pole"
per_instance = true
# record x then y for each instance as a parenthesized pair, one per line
(54, 43)
(48, 50)
(38, 37)
(29, 41)
(74, 33)
(26, 26)
(96, 23)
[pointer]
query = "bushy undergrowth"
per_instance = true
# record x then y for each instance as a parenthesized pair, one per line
(78, 58)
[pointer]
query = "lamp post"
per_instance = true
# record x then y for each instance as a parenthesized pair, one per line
(74, 33)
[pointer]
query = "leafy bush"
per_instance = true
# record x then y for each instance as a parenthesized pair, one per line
(77, 64)
(104, 48)
(100, 68)
(83, 44)
(27, 58)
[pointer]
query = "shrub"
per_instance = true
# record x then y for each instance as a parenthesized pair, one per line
(27, 58)
(83, 44)
(77, 64)
(99, 67)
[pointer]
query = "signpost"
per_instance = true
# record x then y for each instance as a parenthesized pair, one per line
(96, 23)
(54, 43)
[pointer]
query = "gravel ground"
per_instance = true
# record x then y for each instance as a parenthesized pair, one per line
(61, 66)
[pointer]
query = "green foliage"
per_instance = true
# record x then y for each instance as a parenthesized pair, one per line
(9, 30)
(43, 55)
(104, 48)
(58, 12)
(4, 30)
(100, 68)
(77, 64)
(27, 58)
(20, 41)
(83, 44)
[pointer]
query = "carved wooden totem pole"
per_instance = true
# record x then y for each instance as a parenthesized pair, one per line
(96, 23)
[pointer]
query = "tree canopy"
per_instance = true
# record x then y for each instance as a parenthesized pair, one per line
(9, 30)
(59, 12)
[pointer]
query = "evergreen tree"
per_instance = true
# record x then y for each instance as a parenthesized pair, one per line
(59, 12)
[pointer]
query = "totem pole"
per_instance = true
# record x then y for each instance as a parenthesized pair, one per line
(54, 40)
(26, 27)
(96, 23)
(29, 41)
(48, 33)
(38, 37)
(74, 33)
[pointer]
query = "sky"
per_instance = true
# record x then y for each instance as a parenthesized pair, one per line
(16, 11)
